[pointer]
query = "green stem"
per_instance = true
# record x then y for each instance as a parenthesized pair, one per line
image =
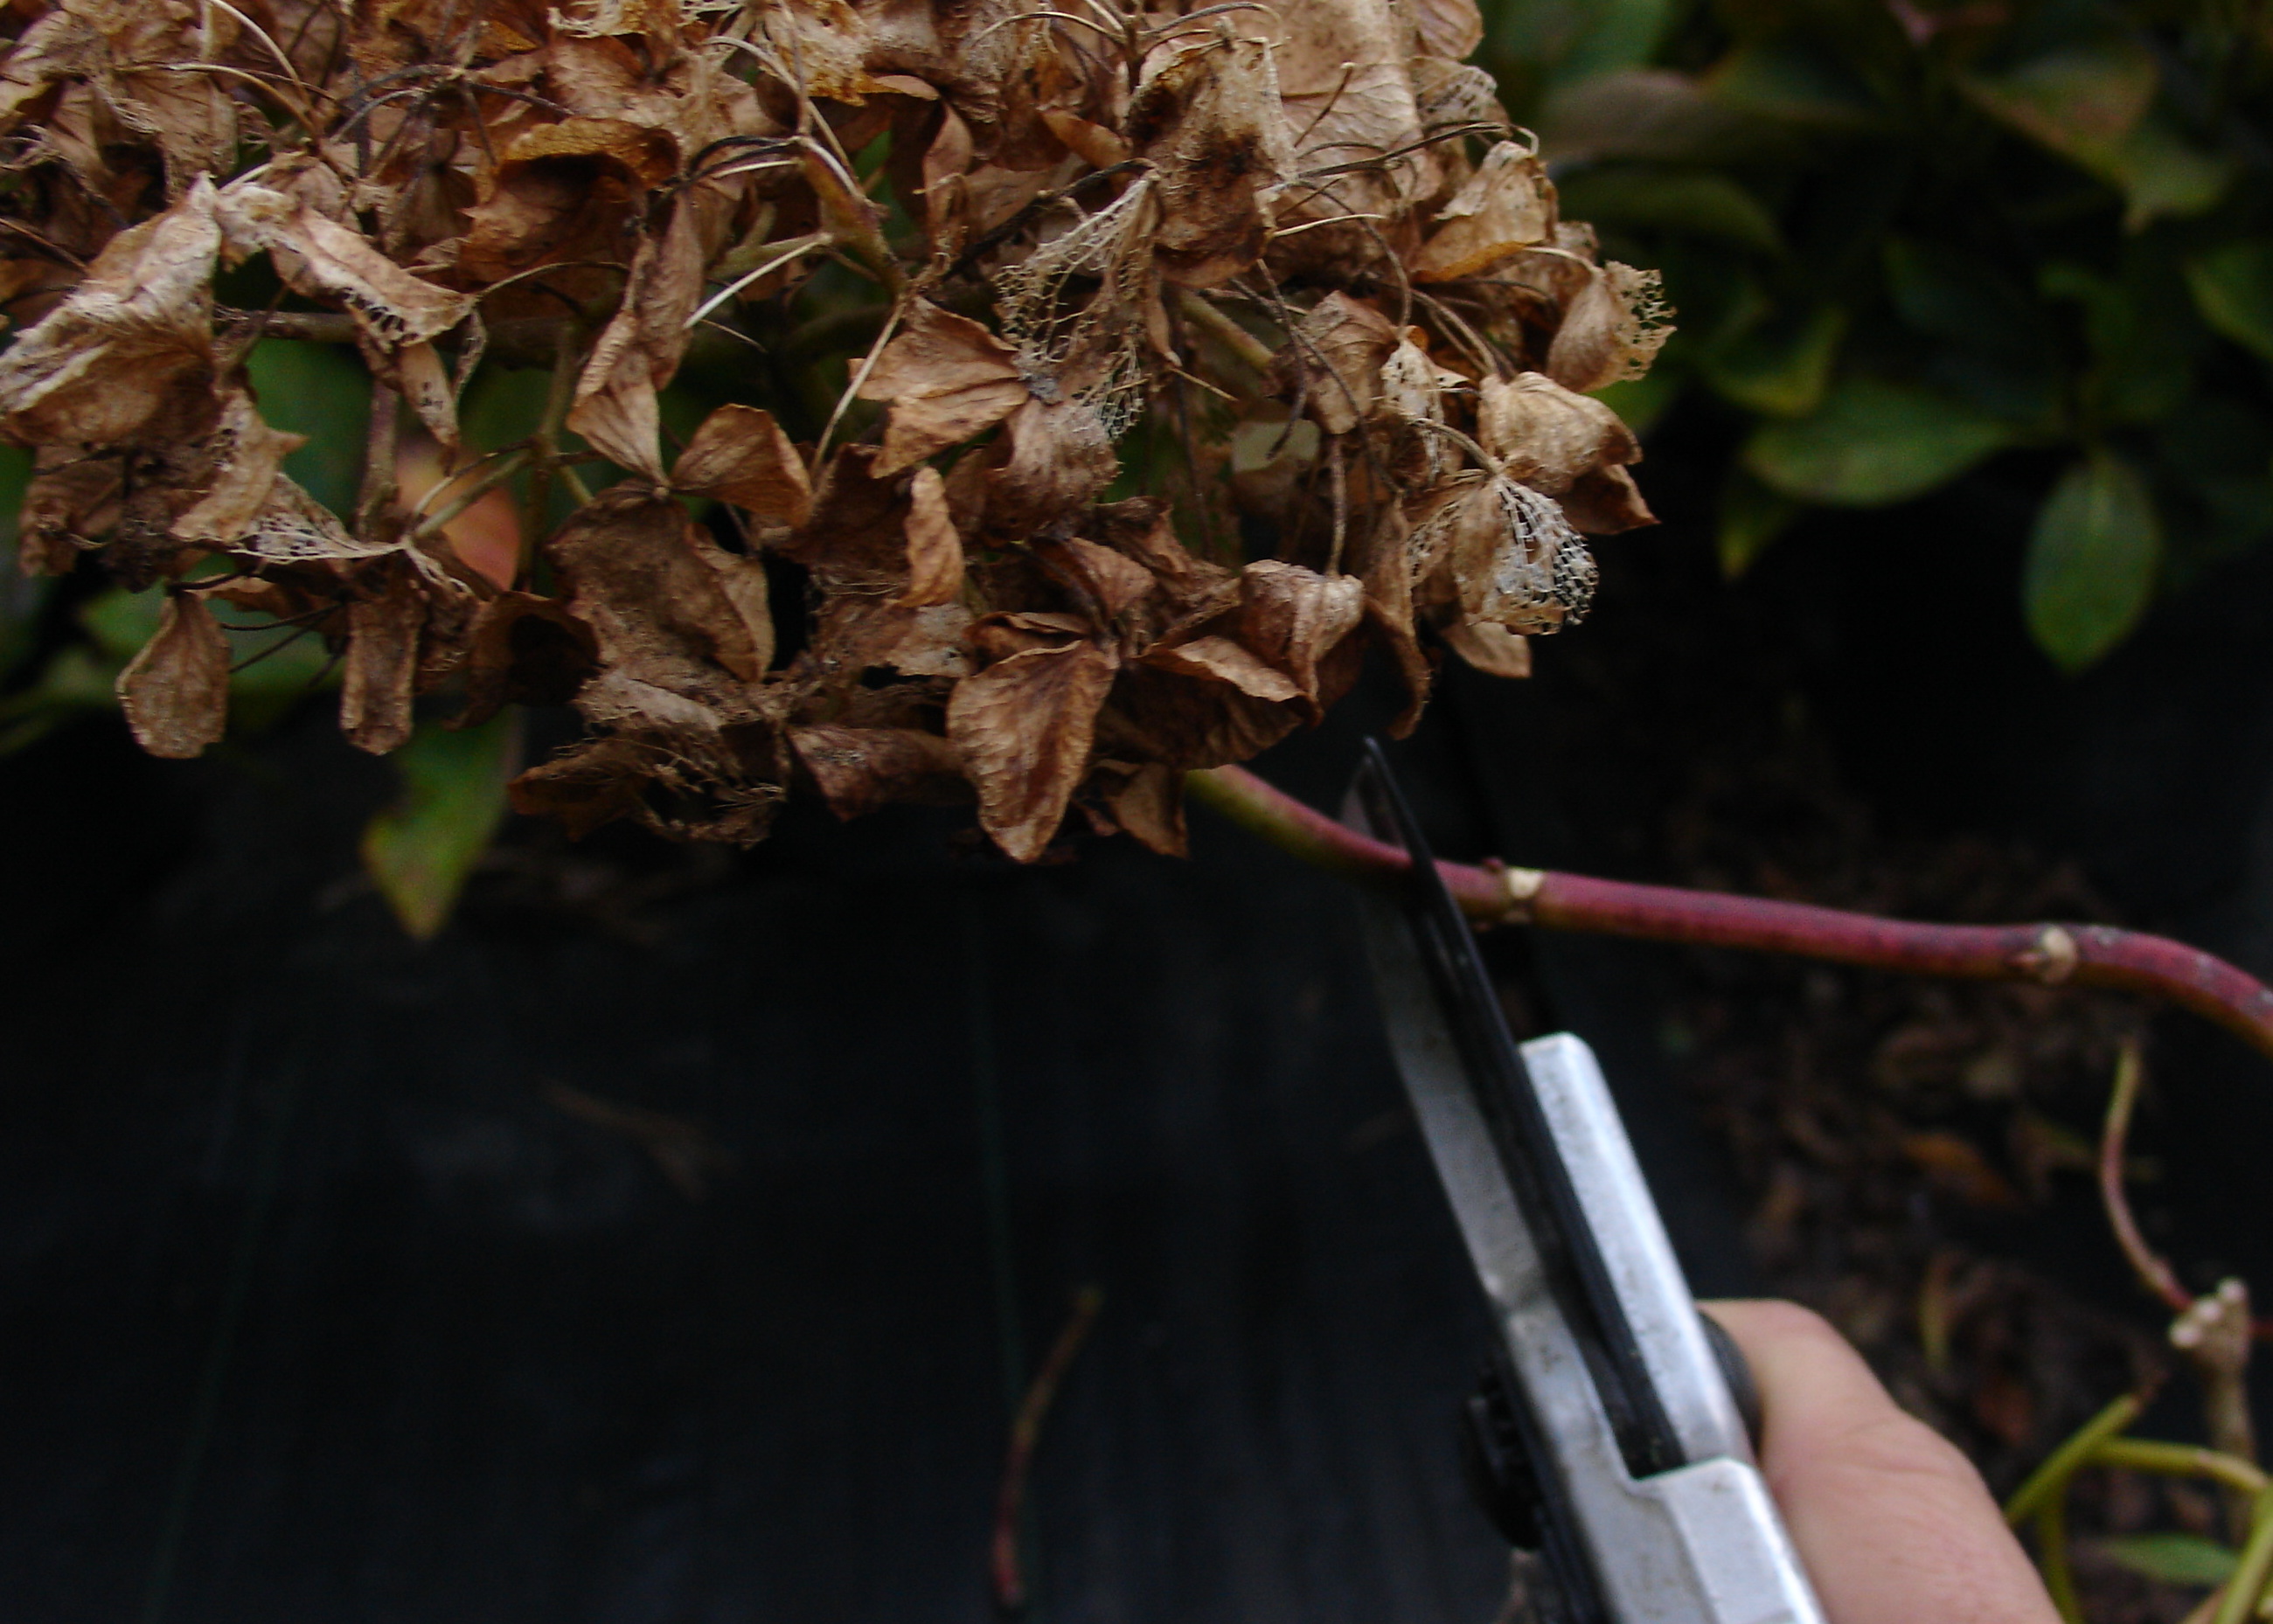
(2246, 1587)
(2048, 1481)
(2180, 1460)
(2052, 1561)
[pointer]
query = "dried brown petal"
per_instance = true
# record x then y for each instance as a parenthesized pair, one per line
(1209, 122)
(1606, 502)
(247, 455)
(1338, 353)
(324, 258)
(1450, 28)
(935, 550)
(1505, 553)
(1492, 649)
(1060, 458)
(592, 784)
(1186, 721)
(176, 692)
(1612, 330)
(72, 498)
(1547, 436)
(1293, 618)
(639, 351)
(654, 591)
(859, 769)
(523, 649)
(1024, 727)
(131, 348)
(377, 677)
(1385, 565)
(947, 378)
(1507, 206)
(1218, 659)
(741, 455)
(1147, 802)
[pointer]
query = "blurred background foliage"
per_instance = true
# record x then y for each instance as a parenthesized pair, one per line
(1907, 238)
(1903, 240)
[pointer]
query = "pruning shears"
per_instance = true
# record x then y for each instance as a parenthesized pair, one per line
(1613, 1432)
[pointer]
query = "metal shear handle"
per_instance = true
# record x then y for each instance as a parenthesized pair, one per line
(1614, 1418)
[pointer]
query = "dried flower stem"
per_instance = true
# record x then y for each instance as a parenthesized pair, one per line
(1009, 1578)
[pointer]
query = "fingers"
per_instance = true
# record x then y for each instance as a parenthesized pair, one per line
(1893, 1524)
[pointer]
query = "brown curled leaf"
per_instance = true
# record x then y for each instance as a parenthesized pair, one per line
(175, 691)
(741, 455)
(639, 350)
(1059, 459)
(1024, 727)
(1207, 121)
(247, 455)
(947, 378)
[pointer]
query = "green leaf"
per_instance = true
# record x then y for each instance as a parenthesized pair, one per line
(2160, 172)
(2091, 561)
(421, 850)
(2145, 339)
(1696, 202)
(1873, 442)
(320, 391)
(2172, 1558)
(1780, 368)
(1567, 41)
(1784, 78)
(2080, 101)
(2232, 287)
(1751, 516)
(1641, 401)
(2092, 103)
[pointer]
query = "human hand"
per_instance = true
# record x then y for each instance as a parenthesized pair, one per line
(1893, 1524)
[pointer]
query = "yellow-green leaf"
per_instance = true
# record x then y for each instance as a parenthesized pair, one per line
(1694, 202)
(1751, 516)
(2091, 561)
(1873, 442)
(2172, 1558)
(2233, 286)
(1782, 369)
(421, 850)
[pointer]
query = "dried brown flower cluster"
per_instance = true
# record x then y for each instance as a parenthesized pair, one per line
(1286, 264)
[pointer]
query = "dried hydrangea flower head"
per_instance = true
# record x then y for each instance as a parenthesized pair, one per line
(1283, 270)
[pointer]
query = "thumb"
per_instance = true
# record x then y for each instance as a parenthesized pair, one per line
(1893, 1525)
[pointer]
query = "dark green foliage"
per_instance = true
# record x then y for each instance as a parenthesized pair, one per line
(1904, 239)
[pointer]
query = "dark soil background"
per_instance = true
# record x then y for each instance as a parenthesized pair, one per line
(666, 1241)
